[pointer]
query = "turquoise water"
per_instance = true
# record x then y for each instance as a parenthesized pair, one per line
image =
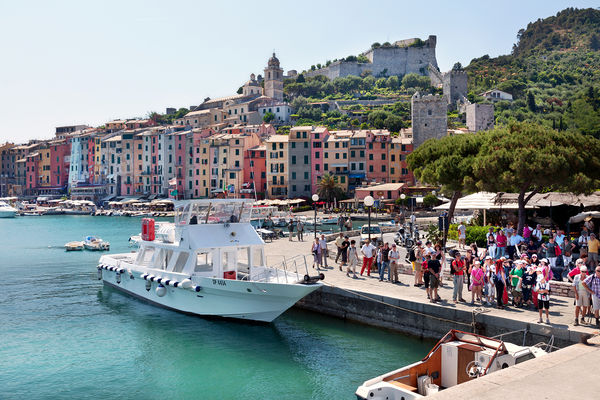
(64, 335)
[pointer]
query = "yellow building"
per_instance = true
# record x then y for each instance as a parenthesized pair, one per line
(277, 171)
(399, 149)
(336, 157)
(44, 167)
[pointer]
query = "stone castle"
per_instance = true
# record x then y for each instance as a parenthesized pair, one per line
(454, 84)
(403, 57)
(429, 117)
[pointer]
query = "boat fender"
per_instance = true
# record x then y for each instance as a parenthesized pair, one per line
(151, 277)
(118, 277)
(175, 284)
(197, 288)
(306, 278)
(148, 285)
(99, 273)
(159, 280)
(122, 270)
(144, 276)
(167, 282)
(186, 283)
(322, 276)
(161, 290)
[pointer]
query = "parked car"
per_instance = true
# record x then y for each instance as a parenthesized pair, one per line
(376, 234)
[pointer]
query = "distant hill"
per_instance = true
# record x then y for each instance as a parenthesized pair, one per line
(553, 73)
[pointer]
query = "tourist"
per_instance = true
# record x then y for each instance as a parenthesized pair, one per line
(352, 259)
(546, 270)
(426, 274)
(582, 297)
(338, 244)
(291, 229)
(478, 280)
(500, 281)
(537, 234)
(515, 242)
(439, 255)
(528, 282)
(348, 224)
(592, 251)
(489, 269)
(300, 229)
(501, 242)
(532, 248)
(576, 271)
(462, 235)
(543, 296)
(583, 239)
(527, 232)
(435, 268)
(324, 251)
(393, 256)
(589, 224)
(316, 252)
(469, 259)
(491, 243)
(344, 250)
(559, 237)
(429, 249)
(377, 259)
(475, 250)
(385, 262)
(534, 260)
(457, 269)
(516, 278)
(417, 249)
(367, 251)
(550, 251)
(341, 222)
(567, 247)
(592, 285)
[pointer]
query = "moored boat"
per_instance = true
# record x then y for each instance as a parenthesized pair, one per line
(74, 246)
(457, 358)
(210, 262)
(95, 244)
(6, 211)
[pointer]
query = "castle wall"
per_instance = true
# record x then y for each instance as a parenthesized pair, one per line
(429, 118)
(480, 117)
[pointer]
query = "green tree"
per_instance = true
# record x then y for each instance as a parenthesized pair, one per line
(240, 90)
(457, 67)
(430, 201)
(328, 188)
(393, 82)
(531, 101)
(300, 78)
(299, 102)
(527, 158)
(447, 162)
(413, 80)
(584, 118)
(268, 117)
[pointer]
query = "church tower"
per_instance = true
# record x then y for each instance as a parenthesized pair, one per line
(274, 79)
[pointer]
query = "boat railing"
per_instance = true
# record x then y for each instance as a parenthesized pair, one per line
(288, 271)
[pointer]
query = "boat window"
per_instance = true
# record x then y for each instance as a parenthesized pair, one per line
(145, 259)
(257, 257)
(524, 357)
(243, 258)
(164, 257)
(204, 262)
(181, 261)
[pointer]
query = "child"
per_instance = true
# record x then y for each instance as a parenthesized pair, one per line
(543, 292)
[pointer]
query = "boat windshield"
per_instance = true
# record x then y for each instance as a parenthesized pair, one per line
(206, 212)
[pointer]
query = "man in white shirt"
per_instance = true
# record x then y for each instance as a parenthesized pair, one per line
(462, 235)
(394, 256)
(537, 234)
(323, 247)
(367, 251)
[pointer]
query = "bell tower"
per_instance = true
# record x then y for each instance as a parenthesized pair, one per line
(273, 79)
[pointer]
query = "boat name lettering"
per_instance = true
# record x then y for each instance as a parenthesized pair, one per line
(219, 282)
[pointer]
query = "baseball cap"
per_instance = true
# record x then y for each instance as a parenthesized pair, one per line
(544, 260)
(488, 257)
(583, 268)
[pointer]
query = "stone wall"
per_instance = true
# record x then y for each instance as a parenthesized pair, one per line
(386, 61)
(480, 117)
(429, 118)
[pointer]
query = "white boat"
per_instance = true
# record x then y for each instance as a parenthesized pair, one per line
(7, 211)
(210, 262)
(74, 246)
(457, 358)
(330, 221)
(95, 244)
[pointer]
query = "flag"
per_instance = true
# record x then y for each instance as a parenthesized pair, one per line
(172, 181)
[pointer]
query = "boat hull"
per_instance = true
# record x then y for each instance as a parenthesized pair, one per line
(7, 214)
(247, 300)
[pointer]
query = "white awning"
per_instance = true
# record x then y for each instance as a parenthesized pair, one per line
(481, 201)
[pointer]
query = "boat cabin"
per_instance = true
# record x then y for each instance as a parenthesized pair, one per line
(210, 238)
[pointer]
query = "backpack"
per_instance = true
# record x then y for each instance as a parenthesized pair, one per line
(452, 270)
(557, 251)
(411, 255)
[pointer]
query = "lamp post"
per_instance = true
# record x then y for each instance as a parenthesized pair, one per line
(368, 201)
(315, 198)
(403, 197)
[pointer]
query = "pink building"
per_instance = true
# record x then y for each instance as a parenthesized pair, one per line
(255, 172)
(377, 143)
(60, 151)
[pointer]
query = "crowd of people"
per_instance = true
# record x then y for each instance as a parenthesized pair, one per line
(513, 269)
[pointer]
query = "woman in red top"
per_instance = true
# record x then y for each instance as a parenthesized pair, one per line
(501, 241)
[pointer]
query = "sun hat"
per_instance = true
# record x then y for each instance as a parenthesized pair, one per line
(488, 257)
(544, 260)
(583, 268)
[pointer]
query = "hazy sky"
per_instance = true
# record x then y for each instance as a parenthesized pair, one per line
(87, 62)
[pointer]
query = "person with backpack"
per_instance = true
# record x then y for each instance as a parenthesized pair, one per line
(582, 297)
(552, 251)
(416, 264)
(499, 278)
(543, 295)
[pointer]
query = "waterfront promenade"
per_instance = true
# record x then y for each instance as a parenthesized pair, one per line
(404, 295)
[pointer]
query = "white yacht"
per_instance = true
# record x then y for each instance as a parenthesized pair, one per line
(6, 211)
(210, 262)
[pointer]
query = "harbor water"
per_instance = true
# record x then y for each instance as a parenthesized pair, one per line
(65, 335)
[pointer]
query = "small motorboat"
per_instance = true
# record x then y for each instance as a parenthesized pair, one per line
(6, 211)
(457, 358)
(330, 221)
(74, 246)
(95, 244)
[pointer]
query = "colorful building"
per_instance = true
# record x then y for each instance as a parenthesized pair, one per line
(277, 171)
(299, 162)
(377, 143)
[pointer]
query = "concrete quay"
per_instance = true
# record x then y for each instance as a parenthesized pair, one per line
(403, 307)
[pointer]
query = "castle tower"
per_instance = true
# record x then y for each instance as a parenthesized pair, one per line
(274, 79)
(429, 118)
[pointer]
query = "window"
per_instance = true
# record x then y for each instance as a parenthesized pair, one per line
(393, 157)
(325, 167)
(293, 175)
(326, 155)
(362, 153)
(383, 168)
(371, 156)
(352, 153)
(293, 145)
(293, 188)
(317, 155)
(306, 175)
(370, 146)
(392, 170)
(293, 160)
(382, 146)
(383, 156)
(370, 168)
(305, 159)
(204, 262)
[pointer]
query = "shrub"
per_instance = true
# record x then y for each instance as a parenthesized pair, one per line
(301, 208)
(475, 234)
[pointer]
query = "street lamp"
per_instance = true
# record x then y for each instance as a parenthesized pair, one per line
(368, 201)
(315, 198)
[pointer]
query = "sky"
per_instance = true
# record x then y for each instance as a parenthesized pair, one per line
(88, 62)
